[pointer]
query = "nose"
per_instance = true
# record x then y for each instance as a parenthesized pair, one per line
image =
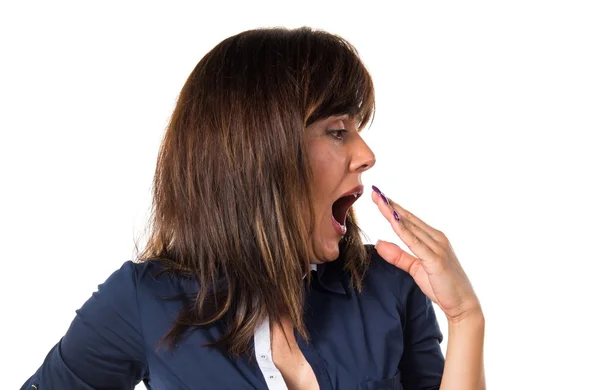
(363, 157)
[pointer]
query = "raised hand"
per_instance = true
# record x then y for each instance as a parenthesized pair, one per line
(434, 266)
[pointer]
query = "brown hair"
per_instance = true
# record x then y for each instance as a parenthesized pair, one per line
(232, 188)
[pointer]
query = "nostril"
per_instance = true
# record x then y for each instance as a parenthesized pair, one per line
(365, 164)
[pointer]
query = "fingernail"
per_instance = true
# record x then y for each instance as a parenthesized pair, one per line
(377, 243)
(396, 216)
(380, 194)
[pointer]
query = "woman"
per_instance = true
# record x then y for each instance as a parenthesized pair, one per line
(254, 184)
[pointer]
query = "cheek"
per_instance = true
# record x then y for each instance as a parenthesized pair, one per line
(328, 167)
(321, 187)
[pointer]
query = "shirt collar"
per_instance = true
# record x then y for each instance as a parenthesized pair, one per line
(313, 267)
(332, 277)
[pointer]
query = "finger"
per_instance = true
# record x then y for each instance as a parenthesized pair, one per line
(394, 255)
(407, 215)
(437, 243)
(420, 246)
(433, 237)
(384, 204)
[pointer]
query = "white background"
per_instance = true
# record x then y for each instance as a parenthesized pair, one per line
(486, 127)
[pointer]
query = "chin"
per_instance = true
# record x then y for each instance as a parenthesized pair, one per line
(327, 253)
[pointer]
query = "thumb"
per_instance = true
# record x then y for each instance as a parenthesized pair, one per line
(395, 255)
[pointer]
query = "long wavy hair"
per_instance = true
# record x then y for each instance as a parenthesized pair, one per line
(232, 188)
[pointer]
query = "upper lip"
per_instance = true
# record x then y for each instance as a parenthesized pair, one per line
(356, 191)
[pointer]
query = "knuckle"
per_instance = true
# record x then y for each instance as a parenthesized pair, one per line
(416, 240)
(442, 237)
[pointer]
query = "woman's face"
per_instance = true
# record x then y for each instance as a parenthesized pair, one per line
(338, 156)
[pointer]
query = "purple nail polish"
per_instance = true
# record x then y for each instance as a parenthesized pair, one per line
(380, 194)
(396, 216)
(384, 198)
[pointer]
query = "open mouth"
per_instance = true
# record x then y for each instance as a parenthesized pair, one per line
(340, 208)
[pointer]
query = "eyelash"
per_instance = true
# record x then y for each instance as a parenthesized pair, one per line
(337, 134)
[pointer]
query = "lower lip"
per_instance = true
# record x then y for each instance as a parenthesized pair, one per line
(340, 229)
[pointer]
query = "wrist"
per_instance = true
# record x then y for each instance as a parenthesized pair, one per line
(474, 318)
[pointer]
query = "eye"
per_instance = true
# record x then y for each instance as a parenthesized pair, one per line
(337, 134)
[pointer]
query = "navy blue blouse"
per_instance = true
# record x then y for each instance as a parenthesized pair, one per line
(386, 337)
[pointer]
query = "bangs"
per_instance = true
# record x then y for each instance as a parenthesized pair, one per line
(339, 82)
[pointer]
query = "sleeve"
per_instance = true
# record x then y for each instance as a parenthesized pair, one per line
(103, 347)
(422, 362)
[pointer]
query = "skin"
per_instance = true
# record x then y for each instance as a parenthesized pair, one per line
(338, 159)
(338, 156)
(438, 273)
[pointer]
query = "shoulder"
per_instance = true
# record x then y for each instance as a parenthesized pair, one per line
(135, 281)
(147, 277)
(380, 268)
(134, 300)
(125, 280)
(118, 294)
(381, 274)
